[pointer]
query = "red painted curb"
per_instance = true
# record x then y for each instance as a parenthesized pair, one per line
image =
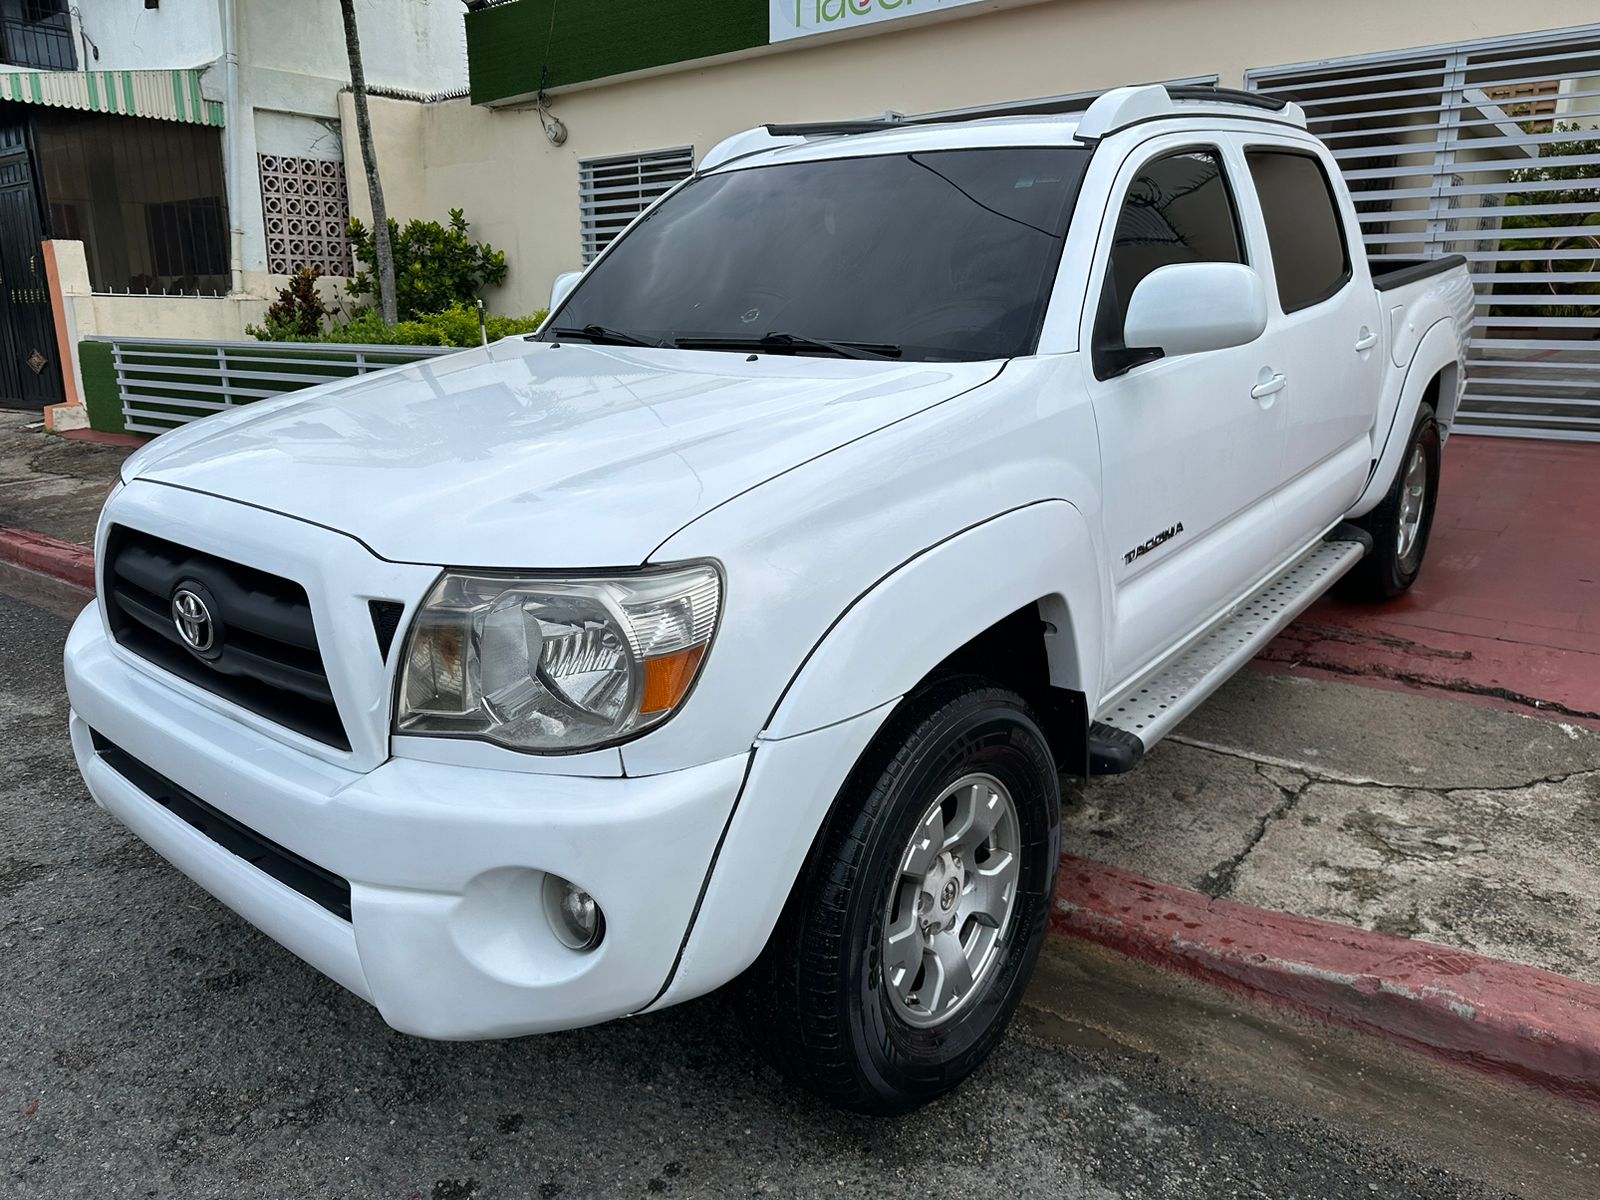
(100, 437)
(1512, 1020)
(66, 561)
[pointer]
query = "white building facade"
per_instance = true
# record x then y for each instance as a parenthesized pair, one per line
(164, 164)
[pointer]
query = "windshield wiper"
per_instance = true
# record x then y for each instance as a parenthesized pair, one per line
(791, 342)
(605, 335)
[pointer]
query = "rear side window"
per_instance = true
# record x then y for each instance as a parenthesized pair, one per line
(1309, 256)
(1178, 209)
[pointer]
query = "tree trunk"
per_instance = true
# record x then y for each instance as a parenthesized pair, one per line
(381, 246)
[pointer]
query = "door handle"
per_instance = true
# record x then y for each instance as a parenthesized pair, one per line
(1269, 387)
(1367, 340)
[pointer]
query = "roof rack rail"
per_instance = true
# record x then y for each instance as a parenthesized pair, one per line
(1122, 107)
(1222, 95)
(1022, 108)
(1103, 113)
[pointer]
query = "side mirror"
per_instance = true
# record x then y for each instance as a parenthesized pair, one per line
(562, 288)
(1187, 308)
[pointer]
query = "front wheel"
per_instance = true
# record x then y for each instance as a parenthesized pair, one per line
(1401, 523)
(914, 928)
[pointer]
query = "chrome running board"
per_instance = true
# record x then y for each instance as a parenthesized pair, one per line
(1143, 714)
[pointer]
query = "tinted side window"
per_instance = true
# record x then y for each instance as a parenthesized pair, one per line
(1178, 210)
(1309, 256)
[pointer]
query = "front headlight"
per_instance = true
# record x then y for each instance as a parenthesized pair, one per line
(555, 665)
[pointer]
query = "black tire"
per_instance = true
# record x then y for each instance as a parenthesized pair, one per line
(1386, 572)
(816, 1002)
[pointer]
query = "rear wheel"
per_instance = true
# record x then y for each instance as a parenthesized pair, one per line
(1401, 523)
(914, 928)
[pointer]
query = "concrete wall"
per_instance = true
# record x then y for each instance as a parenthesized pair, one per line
(293, 67)
(521, 193)
(82, 312)
(131, 37)
(413, 45)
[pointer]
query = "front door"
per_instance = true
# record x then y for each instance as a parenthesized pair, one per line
(1191, 459)
(30, 376)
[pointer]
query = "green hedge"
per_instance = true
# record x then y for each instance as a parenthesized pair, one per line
(515, 49)
(456, 326)
(97, 374)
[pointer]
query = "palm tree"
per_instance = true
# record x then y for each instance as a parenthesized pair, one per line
(383, 251)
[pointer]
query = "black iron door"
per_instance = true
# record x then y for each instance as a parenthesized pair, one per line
(30, 376)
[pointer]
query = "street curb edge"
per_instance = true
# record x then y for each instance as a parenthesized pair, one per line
(66, 561)
(1511, 1020)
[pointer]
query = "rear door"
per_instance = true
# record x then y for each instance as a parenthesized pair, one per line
(1190, 458)
(1327, 329)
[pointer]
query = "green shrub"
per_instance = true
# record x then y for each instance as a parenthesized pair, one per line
(456, 326)
(436, 267)
(297, 312)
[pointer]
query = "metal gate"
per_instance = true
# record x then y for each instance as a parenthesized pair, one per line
(30, 377)
(1489, 149)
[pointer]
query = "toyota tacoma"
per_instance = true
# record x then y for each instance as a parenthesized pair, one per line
(737, 626)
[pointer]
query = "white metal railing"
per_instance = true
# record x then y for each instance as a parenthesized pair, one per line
(163, 383)
(1486, 149)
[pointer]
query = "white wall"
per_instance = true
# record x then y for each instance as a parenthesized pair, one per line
(86, 313)
(293, 65)
(411, 45)
(131, 37)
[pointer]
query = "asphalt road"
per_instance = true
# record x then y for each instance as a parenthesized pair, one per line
(152, 1044)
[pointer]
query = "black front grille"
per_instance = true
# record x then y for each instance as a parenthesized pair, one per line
(265, 657)
(288, 868)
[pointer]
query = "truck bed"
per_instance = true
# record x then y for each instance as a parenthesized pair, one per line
(1390, 273)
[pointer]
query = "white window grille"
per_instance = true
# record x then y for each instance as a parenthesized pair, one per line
(1489, 149)
(613, 191)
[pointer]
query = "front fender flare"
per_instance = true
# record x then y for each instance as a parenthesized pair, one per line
(881, 646)
(924, 610)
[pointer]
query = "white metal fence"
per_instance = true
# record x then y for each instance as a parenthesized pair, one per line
(613, 191)
(1489, 149)
(163, 384)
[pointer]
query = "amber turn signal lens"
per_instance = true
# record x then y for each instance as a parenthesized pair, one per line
(667, 678)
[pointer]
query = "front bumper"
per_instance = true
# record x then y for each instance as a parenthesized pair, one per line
(447, 935)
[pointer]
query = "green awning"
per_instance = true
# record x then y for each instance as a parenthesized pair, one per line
(161, 95)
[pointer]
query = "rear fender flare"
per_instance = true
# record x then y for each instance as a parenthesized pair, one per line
(1437, 357)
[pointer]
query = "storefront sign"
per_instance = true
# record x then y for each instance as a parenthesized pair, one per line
(803, 18)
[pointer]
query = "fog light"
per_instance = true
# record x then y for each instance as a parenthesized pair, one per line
(573, 914)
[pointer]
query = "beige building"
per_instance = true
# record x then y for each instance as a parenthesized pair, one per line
(1445, 113)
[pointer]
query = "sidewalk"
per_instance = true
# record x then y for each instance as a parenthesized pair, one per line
(1398, 813)
(53, 485)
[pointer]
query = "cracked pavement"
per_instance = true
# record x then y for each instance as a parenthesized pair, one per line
(1411, 815)
(53, 485)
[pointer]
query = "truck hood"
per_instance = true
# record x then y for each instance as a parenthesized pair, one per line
(526, 454)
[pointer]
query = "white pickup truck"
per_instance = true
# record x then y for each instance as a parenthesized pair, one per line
(737, 625)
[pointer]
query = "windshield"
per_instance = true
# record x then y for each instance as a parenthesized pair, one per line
(934, 256)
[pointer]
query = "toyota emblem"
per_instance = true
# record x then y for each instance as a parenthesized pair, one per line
(195, 624)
